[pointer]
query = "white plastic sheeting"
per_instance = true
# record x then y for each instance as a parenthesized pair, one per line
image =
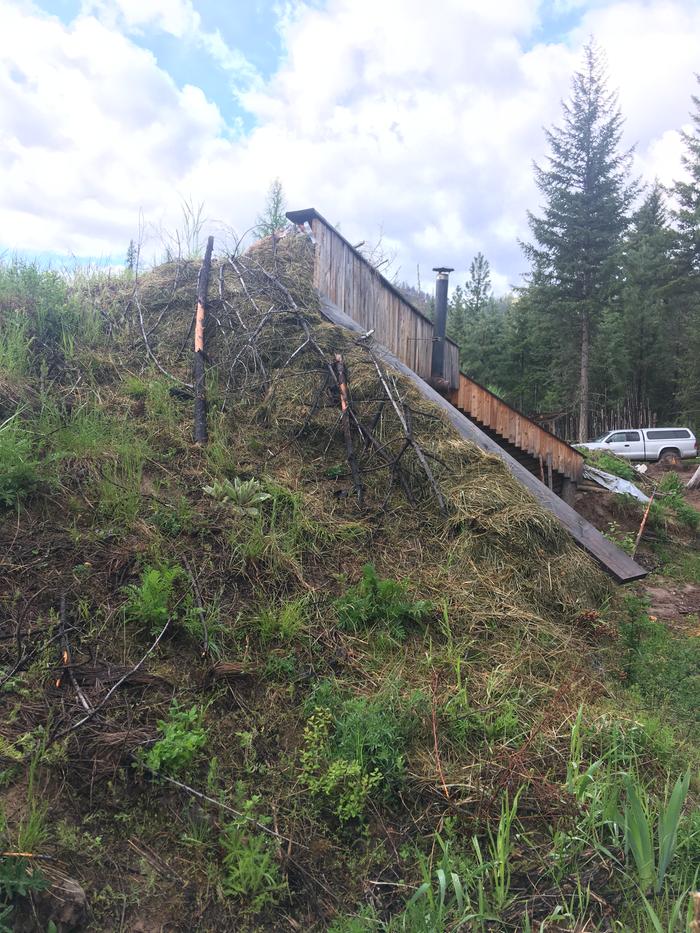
(614, 483)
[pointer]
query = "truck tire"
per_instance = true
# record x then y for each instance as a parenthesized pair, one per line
(670, 456)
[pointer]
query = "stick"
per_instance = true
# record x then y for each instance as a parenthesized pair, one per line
(345, 420)
(95, 709)
(642, 526)
(200, 607)
(225, 806)
(409, 436)
(435, 740)
(200, 398)
(67, 668)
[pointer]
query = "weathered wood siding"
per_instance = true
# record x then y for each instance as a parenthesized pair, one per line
(343, 276)
(489, 410)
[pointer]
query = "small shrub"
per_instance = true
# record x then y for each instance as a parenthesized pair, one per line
(377, 603)
(18, 467)
(344, 785)
(150, 602)
(358, 750)
(183, 734)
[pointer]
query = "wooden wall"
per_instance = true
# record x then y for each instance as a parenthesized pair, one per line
(343, 276)
(349, 282)
(489, 410)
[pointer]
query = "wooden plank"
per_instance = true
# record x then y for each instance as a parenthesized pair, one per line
(619, 564)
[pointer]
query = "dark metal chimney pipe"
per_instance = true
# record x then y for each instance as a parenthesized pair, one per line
(443, 277)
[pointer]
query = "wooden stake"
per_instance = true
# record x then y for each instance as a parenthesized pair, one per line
(642, 526)
(200, 397)
(345, 418)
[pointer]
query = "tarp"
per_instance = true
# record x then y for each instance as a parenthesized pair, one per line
(614, 483)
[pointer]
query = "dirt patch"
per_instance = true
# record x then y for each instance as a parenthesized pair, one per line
(675, 604)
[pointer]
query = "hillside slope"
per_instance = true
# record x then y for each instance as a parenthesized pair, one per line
(237, 697)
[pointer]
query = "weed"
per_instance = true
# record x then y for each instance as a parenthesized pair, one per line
(242, 496)
(183, 734)
(637, 821)
(151, 601)
(376, 603)
(358, 750)
(283, 622)
(604, 460)
(251, 869)
(625, 541)
(344, 785)
(673, 498)
(662, 667)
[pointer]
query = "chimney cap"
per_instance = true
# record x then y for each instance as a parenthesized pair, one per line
(442, 269)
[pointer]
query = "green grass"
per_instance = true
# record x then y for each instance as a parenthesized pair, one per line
(662, 668)
(18, 462)
(374, 603)
(609, 463)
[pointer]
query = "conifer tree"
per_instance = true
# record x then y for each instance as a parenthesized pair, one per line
(586, 197)
(273, 218)
(478, 287)
(687, 255)
(637, 355)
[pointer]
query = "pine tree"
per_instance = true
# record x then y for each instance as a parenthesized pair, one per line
(687, 256)
(131, 257)
(478, 288)
(586, 196)
(273, 218)
(637, 354)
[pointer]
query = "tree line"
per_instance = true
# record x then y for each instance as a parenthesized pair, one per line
(605, 332)
(607, 326)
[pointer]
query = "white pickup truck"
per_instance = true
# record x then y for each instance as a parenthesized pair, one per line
(647, 443)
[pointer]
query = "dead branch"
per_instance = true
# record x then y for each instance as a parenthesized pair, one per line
(408, 432)
(342, 379)
(95, 709)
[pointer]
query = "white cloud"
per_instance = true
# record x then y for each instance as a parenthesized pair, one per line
(381, 115)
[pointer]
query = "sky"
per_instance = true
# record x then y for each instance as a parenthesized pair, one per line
(411, 121)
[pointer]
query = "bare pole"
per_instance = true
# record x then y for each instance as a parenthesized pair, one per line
(200, 396)
(345, 419)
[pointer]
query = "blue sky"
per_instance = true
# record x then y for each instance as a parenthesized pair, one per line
(418, 123)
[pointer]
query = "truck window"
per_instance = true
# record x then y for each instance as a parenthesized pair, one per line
(668, 434)
(632, 435)
(618, 438)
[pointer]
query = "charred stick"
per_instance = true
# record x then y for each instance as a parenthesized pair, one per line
(345, 421)
(200, 398)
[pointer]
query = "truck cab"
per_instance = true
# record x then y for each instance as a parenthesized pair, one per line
(647, 443)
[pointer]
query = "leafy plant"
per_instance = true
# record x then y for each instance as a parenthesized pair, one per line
(242, 496)
(377, 603)
(283, 621)
(344, 785)
(150, 602)
(637, 821)
(183, 735)
(251, 869)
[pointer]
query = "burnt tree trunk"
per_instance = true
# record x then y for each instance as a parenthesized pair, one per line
(200, 396)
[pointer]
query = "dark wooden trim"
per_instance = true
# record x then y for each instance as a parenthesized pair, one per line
(613, 560)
